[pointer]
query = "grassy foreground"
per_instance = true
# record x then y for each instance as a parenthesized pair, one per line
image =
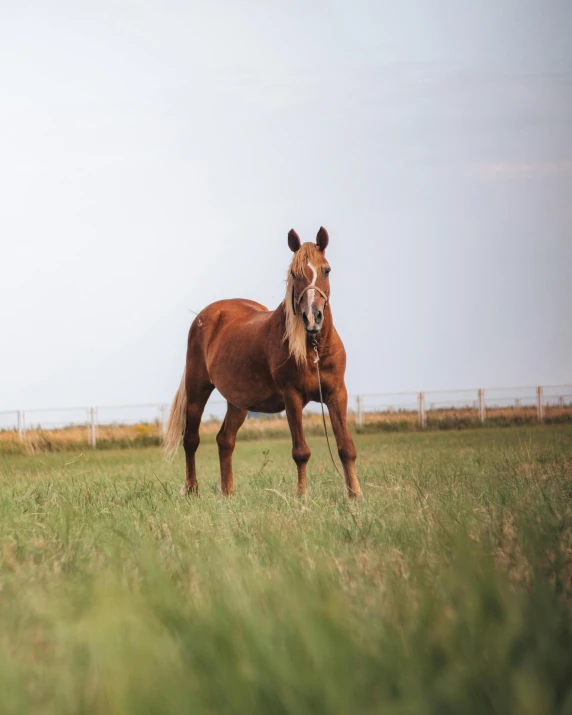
(447, 589)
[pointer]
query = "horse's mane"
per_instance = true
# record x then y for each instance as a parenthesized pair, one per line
(295, 333)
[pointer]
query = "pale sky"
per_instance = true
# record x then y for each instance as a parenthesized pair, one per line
(154, 155)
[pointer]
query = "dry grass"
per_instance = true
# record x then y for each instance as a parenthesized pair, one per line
(38, 441)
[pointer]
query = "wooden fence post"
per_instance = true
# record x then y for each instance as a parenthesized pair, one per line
(482, 408)
(21, 424)
(421, 409)
(359, 414)
(540, 404)
(93, 437)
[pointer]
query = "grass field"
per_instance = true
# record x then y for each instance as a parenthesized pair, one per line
(446, 590)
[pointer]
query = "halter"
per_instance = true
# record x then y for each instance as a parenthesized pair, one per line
(311, 287)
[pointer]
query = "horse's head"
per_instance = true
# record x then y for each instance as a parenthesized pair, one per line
(308, 280)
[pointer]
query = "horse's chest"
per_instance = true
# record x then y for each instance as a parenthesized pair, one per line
(310, 384)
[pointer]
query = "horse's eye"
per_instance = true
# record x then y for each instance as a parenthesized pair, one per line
(292, 274)
(327, 271)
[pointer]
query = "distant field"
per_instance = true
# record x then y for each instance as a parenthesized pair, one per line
(121, 436)
(447, 589)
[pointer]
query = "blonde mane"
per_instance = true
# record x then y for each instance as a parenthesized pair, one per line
(295, 333)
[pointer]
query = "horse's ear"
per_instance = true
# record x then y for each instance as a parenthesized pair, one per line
(322, 239)
(293, 240)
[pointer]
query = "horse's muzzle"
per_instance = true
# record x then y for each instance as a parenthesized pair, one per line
(313, 322)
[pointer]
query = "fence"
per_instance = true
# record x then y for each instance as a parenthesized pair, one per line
(89, 418)
(366, 411)
(476, 405)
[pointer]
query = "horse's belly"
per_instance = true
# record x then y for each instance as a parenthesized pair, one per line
(251, 397)
(237, 365)
(249, 386)
(270, 406)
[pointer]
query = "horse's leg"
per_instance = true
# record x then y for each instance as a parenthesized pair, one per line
(197, 397)
(300, 451)
(337, 407)
(226, 439)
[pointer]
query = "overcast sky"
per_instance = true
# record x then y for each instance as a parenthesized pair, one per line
(154, 155)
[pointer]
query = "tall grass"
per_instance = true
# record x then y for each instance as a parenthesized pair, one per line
(445, 590)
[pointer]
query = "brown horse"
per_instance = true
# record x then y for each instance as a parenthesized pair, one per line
(263, 361)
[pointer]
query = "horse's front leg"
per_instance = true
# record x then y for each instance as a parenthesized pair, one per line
(338, 406)
(300, 450)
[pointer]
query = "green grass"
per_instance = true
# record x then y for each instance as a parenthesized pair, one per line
(447, 589)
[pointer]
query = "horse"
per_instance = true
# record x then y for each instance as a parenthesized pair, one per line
(264, 360)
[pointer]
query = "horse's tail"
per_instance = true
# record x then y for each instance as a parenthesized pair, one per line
(177, 420)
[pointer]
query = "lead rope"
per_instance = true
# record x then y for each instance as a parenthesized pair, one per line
(317, 363)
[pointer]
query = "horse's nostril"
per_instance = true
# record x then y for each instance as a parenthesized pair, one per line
(319, 316)
(305, 318)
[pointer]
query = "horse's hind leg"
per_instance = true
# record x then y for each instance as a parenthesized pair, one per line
(226, 439)
(198, 393)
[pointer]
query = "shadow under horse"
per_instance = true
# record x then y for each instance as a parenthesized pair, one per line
(263, 360)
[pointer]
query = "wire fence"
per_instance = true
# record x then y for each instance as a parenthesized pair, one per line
(366, 412)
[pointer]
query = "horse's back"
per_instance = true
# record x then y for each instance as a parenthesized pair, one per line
(235, 305)
(223, 312)
(233, 314)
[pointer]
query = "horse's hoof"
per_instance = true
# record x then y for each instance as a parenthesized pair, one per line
(187, 491)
